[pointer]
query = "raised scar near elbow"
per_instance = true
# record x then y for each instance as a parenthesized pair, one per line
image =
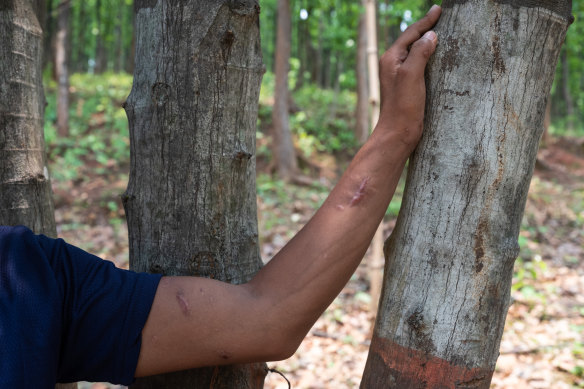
(360, 193)
(183, 303)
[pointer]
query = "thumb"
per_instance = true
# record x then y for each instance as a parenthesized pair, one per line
(421, 51)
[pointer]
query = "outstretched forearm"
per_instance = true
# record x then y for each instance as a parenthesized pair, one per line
(299, 283)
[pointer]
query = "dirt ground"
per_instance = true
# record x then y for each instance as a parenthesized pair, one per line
(543, 342)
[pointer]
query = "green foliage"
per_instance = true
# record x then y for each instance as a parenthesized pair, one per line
(325, 122)
(98, 128)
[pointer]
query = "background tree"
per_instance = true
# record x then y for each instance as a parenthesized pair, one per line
(450, 258)
(62, 49)
(362, 108)
(25, 188)
(191, 200)
(285, 156)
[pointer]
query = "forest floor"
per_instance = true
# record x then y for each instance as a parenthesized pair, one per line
(543, 342)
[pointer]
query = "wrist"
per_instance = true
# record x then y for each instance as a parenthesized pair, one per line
(401, 139)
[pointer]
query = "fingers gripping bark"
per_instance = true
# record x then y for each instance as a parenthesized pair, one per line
(415, 31)
(401, 73)
(421, 51)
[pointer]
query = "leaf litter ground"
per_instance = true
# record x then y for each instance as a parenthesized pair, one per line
(543, 342)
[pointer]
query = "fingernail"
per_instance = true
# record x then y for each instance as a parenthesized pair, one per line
(433, 7)
(431, 35)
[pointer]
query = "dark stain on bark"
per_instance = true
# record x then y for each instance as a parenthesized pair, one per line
(419, 329)
(226, 43)
(450, 58)
(160, 93)
(156, 269)
(202, 264)
(243, 156)
(479, 246)
(498, 62)
(244, 7)
(457, 93)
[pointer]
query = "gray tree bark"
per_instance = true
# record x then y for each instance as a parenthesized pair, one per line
(449, 261)
(191, 198)
(284, 153)
(25, 188)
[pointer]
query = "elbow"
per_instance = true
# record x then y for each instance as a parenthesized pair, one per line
(279, 335)
(281, 348)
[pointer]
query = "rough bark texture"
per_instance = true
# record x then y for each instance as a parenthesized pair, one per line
(25, 188)
(285, 155)
(449, 261)
(191, 199)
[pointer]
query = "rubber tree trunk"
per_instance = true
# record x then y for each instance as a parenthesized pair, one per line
(285, 156)
(62, 66)
(25, 188)
(449, 261)
(191, 198)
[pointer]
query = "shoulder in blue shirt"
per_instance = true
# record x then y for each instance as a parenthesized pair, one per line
(66, 315)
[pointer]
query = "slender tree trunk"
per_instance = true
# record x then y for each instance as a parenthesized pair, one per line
(362, 108)
(62, 67)
(375, 264)
(129, 65)
(191, 199)
(119, 57)
(80, 62)
(25, 188)
(283, 145)
(100, 53)
(568, 100)
(319, 60)
(449, 261)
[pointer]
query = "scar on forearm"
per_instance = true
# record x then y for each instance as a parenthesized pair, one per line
(360, 193)
(183, 303)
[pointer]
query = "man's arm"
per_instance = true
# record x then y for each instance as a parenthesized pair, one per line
(198, 322)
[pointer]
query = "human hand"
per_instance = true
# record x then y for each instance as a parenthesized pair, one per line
(401, 74)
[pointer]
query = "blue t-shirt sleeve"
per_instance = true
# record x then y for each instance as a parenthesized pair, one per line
(95, 310)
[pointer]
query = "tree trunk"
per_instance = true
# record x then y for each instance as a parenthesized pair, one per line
(375, 263)
(25, 188)
(449, 261)
(119, 57)
(191, 199)
(100, 53)
(568, 100)
(283, 146)
(362, 108)
(129, 65)
(62, 67)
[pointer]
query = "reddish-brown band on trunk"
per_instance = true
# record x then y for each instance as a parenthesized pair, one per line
(394, 366)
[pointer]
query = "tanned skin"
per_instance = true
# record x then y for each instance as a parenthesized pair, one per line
(197, 322)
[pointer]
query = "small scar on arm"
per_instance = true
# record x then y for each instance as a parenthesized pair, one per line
(183, 303)
(360, 193)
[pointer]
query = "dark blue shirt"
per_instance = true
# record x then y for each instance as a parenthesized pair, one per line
(66, 315)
